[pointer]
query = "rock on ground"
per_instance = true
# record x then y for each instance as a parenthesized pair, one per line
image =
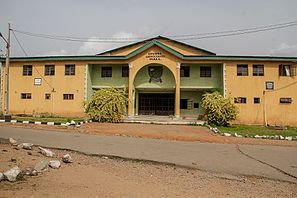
(41, 166)
(1, 177)
(55, 164)
(46, 152)
(67, 158)
(12, 174)
(13, 141)
(27, 146)
(30, 171)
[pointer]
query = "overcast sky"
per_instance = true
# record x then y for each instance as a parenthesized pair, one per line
(149, 18)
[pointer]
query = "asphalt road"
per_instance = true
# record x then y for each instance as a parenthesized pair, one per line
(274, 162)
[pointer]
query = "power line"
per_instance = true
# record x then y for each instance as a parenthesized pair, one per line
(20, 45)
(178, 37)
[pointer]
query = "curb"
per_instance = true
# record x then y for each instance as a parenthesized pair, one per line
(72, 123)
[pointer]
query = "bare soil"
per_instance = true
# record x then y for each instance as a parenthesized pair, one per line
(93, 176)
(168, 132)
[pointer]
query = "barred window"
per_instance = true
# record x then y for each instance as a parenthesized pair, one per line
(106, 72)
(184, 71)
(26, 95)
(27, 70)
(240, 100)
(183, 103)
(287, 70)
(69, 70)
(68, 96)
(258, 70)
(49, 70)
(285, 100)
(125, 71)
(242, 70)
(256, 100)
(205, 71)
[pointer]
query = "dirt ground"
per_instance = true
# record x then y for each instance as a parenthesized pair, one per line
(93, 176)
(168, 132)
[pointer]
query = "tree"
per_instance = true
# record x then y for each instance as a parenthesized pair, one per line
(219, 110)
(107, 105)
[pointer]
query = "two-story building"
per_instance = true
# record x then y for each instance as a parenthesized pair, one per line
(162, 76)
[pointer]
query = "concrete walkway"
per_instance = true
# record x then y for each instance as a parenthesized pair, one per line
(272, 162)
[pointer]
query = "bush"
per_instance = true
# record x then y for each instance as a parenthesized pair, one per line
(107, 105)
(219, 110)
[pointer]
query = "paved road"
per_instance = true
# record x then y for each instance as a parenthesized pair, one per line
(273, 162)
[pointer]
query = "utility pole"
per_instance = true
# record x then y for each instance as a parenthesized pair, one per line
(7, 61)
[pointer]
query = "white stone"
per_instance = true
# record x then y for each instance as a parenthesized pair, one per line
(67, 124)
(236, 135)
(72, 122)
(227, 134)
(50, 123)
(55, 164)
(37, 122)
(289, 138)
(25, 122)
(258, 136)
(27, 146)
(67, 158)
(13, 141)
(13, 121)
(281, 137)
(46, 152)
(41, 166)
(1, 177)
(11, 175)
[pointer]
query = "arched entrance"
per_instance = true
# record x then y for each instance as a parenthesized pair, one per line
(154, 86)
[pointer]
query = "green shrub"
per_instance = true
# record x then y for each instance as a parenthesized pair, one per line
(219, 110)
(107, 105)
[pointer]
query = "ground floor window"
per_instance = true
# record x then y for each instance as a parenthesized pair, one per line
(47, 96)
(68, 96)
(26, 95)
(256, 100)
(240, 100)
(183, 103)
(285, 100)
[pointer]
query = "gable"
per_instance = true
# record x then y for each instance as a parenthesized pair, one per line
(177, 46)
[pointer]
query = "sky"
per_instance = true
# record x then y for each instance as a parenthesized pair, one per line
(143, 18)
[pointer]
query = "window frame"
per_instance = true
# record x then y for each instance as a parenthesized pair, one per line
(258, 69)
(125, 71)
(27, 70)
(106, 72)
(240, 100)
(69, 69)
(282, 71)
(68, 96)
(257, 100)
(205, 71)
(285, 100)
(49, 70)
(26, 96)
(185, 71)
(240, 68)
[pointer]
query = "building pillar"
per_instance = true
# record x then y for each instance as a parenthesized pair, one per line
(130, 92)
(177, 91)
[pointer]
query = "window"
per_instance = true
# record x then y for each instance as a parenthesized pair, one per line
(125, 71)
(183, 103)
(196, 105)
(184, 71)
(69, 70)
(285, 100)
(68, 96)
(106, 72)
(287, 70)
(47, 96)
(256, 100)
(269, 85)
(242, 70)
(205, 71)
(258, 70)
(240, 100)
(49, 70)
(27, 70)
(26, 96)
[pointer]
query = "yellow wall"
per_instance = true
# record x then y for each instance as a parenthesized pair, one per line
(253, 86)
(59, 82)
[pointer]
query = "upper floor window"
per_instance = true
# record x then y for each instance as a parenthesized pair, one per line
(125, 71)
(184, 71)
(49, 70)
(106, 72)
(205, 71)
(242, 70)
(287, 70)
(27, 70)
(26, 96)
(258, 70)
(69, 70)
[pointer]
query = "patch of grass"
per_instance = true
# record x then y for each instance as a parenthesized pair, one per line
(252, 130)
(46, 119)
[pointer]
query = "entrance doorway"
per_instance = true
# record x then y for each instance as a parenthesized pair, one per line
(156, 104)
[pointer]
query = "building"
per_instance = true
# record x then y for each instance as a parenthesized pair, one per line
(162, 76)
